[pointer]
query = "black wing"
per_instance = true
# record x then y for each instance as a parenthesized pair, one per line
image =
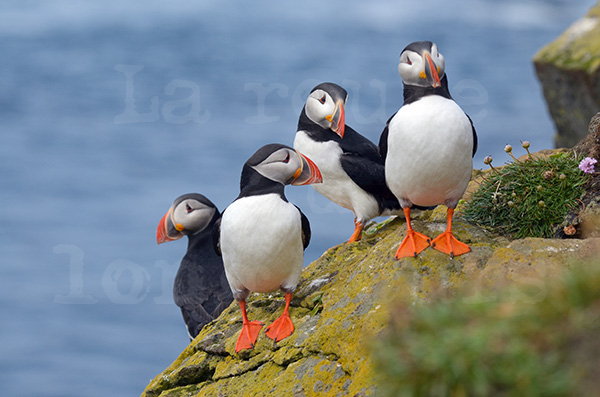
(383, 139)
(201, 289)
(195, 320)
(474, 136)
(363, 164)
(216, 236)
(368, 174)
(305, 228)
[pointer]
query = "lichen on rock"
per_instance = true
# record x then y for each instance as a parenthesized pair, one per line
(533, 337)
(569, 71)
(342, 303)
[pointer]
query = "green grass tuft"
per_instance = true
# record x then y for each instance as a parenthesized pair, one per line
(527, 198)
(493, 344)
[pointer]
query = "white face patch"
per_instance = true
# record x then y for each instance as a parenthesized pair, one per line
(193, 215)
(319, 105)
(411, 66)
(280, 166)
(439, 60)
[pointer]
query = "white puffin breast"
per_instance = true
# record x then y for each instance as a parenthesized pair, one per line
(430, 144)
(337, 186)
(261, 243)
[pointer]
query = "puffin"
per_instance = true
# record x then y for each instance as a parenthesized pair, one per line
(351, 166)
(262, 236)
(200, 289)
(428, 147)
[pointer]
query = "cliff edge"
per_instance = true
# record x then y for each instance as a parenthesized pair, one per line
(569, 71)
(343, 303)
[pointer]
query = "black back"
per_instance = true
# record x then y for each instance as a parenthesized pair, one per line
(360, 160)
(201, 289)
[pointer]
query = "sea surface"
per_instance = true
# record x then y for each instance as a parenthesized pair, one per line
(111, 109)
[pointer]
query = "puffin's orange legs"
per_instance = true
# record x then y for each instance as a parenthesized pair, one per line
(358, 228)
(447, 243)
(413, 242)
(250, 330)
(283, 326)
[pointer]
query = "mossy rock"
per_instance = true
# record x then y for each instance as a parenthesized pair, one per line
(343, 303)
(529, 339)
(569, 71)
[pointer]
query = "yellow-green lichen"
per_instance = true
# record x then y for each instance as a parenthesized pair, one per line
(354, 286)
(492, 343)
(578, 47)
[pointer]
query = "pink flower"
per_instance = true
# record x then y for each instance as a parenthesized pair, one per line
(587, 165)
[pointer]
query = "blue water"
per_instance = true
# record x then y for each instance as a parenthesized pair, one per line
(109, 110)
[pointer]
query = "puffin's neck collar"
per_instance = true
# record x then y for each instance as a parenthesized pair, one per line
(413, 93)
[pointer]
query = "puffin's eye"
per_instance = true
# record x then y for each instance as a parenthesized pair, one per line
(408, 61)
(322, 99)
(287, 159)
(188, 208)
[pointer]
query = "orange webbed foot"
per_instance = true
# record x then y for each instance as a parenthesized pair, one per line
(448, 244)
(248, 336)
(412, 244)
(281, 328)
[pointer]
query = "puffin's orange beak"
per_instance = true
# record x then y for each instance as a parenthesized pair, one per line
(166, 231)
(338, 118)
(431, 71)
(309, 172)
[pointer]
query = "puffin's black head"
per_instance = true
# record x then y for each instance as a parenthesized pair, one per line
(281, 164)
(189, 214)
(325, 107)
(421, 64)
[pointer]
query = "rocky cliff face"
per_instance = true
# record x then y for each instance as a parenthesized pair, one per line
(347, 297)
(569, 70)
(342, 304)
